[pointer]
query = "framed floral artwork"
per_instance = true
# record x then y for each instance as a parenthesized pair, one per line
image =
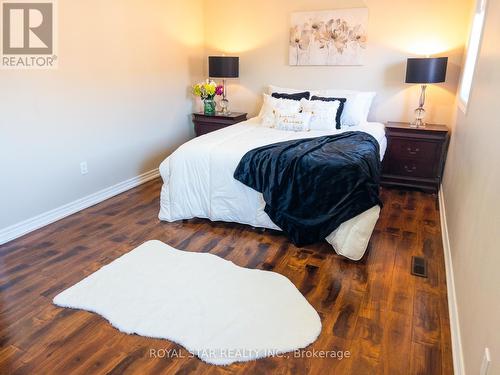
(331, 37)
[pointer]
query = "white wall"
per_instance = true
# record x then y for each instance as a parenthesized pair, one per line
(257, 31)
(471, 191)
(119, 100)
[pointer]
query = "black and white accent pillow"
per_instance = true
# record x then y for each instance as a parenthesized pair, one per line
(323, 113)
(341, 101)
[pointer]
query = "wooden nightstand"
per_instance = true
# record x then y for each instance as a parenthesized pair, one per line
(415, 157)
(205, 124)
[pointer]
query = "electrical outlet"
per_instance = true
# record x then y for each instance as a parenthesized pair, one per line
(83, 167)
(486, 362)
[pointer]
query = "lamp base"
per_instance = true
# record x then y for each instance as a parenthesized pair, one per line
(224, 107)
(419, 118)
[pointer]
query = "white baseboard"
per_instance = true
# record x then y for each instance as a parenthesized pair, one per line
(20, 229)
(456, 341)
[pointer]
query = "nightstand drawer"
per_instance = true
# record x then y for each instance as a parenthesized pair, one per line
(412, 168)
(204, 124)
(403, 148)
(203, 127)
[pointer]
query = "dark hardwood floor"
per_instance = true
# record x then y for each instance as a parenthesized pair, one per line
(390, 321)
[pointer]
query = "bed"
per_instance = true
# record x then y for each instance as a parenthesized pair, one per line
(199, 183)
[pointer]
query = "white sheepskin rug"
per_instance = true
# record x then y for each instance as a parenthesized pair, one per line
(217, 310)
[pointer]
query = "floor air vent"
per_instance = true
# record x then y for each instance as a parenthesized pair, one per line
(418, 266)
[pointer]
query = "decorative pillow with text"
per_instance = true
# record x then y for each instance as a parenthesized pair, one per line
(297, 122)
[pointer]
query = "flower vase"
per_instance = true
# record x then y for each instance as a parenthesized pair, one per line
(209, 107)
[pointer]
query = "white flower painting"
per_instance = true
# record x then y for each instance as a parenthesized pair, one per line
(332, 37)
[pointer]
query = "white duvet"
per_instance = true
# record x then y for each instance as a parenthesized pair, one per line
(198, 182)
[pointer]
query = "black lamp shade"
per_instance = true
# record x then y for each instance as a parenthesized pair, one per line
(223, 67)
(426, 70)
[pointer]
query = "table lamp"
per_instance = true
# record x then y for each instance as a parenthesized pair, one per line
(423, 71)
(223, 67)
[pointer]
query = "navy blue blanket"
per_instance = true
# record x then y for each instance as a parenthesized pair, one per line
(313, 185)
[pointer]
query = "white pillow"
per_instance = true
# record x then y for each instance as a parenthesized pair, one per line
(283, 90)
(297, 122)
(271, 106)
(368, 97)
(323, 114)
(356, 107)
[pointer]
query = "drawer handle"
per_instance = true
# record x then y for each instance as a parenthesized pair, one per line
(413, 152)
(410, 170)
